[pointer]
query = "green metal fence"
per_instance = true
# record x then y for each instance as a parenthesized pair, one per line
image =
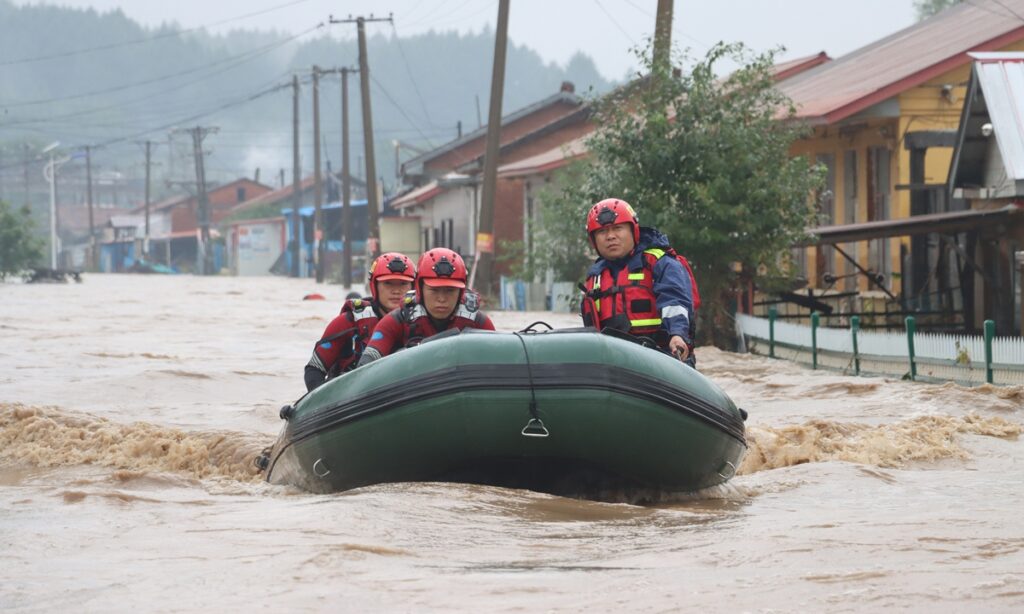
(967, 359)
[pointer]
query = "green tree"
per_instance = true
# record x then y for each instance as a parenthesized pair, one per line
(19, 248)
(704, 159)
(927, 8)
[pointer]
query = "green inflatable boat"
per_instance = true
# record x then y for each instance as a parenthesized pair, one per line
(569, 412)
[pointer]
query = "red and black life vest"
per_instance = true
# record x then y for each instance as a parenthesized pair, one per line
(419, 325)
(363, 315)
(627, 302)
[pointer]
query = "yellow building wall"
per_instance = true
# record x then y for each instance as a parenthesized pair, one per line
(924, 107)
(859, 137)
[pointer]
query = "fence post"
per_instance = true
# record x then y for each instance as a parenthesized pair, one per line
(990, 333)
(854, 329)
(772, 314)
(814, 340)
(911, 327)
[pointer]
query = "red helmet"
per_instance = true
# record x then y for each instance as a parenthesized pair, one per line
(390, 265)
(441, 267)
(612, 211)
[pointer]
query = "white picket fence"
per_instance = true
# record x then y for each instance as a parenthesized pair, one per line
(936, 357)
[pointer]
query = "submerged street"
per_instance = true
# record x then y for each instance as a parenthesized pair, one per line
(132, 407)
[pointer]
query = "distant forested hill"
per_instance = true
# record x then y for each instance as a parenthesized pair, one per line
(89, 78)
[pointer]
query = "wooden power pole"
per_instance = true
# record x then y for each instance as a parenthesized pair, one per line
(296, 179)
(94, 257)
(485, 232)
(318, 191)
(198, 134)
(145, 241)
(346, 187)
(372, 204)
(662, 60)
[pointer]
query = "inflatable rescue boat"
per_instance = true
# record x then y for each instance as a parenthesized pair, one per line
(569, 412)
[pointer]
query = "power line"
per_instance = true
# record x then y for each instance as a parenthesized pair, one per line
(183, 120)
(254, 52)
(65, 54)
(408, 69)
(1012, 12)
(122, 104)
(401, 110)
(440, 18)
(615, 22)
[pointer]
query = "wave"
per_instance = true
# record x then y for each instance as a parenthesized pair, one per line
(924, 438)
(52, 437)
(181, 373)
(130, 355)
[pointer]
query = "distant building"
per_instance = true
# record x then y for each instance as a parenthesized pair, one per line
(445, 182)
(174, 222)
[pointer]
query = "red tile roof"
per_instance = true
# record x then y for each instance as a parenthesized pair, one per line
(847, 85)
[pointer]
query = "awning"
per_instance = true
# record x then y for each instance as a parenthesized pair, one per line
(945, 223)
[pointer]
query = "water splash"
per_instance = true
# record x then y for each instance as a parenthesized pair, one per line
(924, 438)
(52, 437)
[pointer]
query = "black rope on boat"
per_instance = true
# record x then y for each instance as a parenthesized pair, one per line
(530, 329)
(535, 426)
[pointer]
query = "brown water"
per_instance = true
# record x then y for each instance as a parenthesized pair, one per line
(131, 408)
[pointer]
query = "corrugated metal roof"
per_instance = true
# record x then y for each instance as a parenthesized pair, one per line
(993, 109)
(849, 84)
(418, 195)
(1001, 77)
(551, 159)
(791, 68)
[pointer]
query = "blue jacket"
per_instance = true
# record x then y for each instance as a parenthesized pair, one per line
(672, 290)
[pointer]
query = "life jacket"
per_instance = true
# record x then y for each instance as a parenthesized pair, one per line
(364, 315)
(419, 325)
(627, 303)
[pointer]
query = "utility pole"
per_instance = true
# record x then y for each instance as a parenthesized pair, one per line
(318, 192)
(198, 134)
(662, 60)
(93, 254)
(372, 204)
(296, 180)
(145, 241)
(346, 187)
(24, 166)
(485, 232)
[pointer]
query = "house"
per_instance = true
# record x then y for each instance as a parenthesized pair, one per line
(177, 244)
(884, 120)
(255, 245)
(446, 182)
(274, 208)
(987, 171)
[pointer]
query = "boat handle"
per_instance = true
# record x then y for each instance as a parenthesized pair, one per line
(535, 428)
(731, 475)
(320, 463)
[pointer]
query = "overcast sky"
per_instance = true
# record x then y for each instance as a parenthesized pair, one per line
(603, 29)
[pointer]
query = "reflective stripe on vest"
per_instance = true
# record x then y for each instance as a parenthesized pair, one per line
(636, 285)
(651, 322)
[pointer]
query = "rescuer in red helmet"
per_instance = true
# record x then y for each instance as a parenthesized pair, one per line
(638, 284)
(391, 276)
(442, 302)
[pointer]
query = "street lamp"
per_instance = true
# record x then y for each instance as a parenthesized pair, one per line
(50, 174)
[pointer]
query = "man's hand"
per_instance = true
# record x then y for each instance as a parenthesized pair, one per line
(678, 347)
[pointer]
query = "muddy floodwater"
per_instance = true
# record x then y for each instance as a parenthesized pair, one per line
(131, 408)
